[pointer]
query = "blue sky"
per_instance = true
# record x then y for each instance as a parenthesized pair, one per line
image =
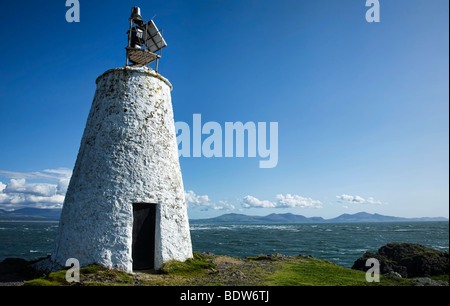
(362, 108)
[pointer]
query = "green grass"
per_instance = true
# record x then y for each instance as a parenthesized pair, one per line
(108, 277)
(316, 272)
(205, 270)
(445, 278)
(53, 279)
(192, 267)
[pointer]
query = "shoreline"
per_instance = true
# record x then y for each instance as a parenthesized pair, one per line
(266, 270)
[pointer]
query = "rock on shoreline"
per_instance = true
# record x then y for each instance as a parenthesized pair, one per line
(407, 260)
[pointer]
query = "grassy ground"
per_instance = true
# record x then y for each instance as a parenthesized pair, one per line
(316, 272)
(214, 270)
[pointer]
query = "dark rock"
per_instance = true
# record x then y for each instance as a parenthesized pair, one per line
(425, 281)
(393, 273)
(408, 260)
(13, 265)
(13, 271)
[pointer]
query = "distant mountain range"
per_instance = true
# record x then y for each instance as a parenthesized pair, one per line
(291, 218)
(40, 214)
(30, 214)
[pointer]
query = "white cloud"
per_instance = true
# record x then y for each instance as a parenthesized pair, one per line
(18, 192)
(226, 205)
(357, 199)
(282, 201)
(193, 199)
(371, 200)
(203, 201)
(37, 189)
(287, 201)
(250, 201)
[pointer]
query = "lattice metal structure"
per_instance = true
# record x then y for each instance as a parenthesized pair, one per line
(144, 40)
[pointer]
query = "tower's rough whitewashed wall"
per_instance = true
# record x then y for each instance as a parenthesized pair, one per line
(128, 154)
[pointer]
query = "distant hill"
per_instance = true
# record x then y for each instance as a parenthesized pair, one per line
(295, 219)
(41, 214)
(272, 218)
(366, 217)
(30, 214)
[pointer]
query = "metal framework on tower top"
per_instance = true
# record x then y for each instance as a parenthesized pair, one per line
(144, 40)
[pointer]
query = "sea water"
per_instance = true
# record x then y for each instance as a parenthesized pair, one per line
(28, 240)
(341, 243)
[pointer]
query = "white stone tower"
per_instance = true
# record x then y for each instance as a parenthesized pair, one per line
(125, 205)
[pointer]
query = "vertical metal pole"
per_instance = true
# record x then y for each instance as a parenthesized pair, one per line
(160, 53)
(160, 50)
(129, 39)
(145, 40)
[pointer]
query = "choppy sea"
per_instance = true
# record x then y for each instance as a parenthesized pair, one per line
(341, 243)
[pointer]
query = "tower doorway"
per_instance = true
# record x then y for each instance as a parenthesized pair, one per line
(143, 243)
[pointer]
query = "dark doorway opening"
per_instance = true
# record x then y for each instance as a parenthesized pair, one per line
(143, 244)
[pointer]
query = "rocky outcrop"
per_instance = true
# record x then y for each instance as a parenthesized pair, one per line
(407, 260)
(14, 271)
